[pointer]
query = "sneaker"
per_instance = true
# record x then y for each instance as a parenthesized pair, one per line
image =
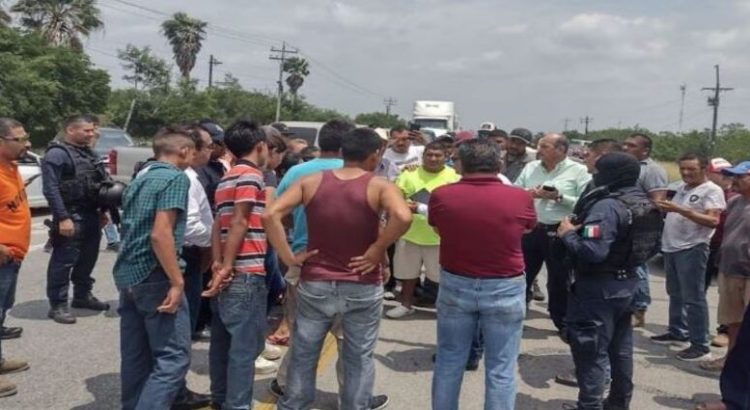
(202, 335)
(271, 352)
(715, 365)
(13, 366)
(61, 314)
(720, 340)
(275, 389)
(7, 388)
(639, 318)
(389, 295)
(400, 312)
(537, 293)
(10, 332)
(263, 366)
(379, 402)
(567, 379)
(668, 338)
(90, 302)
(694, 354)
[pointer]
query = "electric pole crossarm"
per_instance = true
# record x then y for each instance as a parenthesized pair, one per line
(281, 58)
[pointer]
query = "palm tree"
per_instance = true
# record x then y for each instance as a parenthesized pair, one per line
(60, 22)
(185, 34)
(298, 69)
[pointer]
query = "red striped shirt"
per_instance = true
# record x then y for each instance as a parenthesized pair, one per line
(244, 183)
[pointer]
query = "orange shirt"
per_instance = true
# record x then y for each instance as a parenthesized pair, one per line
(15, 215)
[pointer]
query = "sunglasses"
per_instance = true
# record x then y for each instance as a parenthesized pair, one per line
(18, 139)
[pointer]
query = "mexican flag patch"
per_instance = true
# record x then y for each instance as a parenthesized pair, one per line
(592, 232)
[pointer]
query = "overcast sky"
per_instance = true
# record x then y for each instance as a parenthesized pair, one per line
(516, 63)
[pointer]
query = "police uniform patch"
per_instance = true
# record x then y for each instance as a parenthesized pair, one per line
(592, 232)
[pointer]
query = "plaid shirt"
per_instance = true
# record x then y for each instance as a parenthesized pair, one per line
(159, 187)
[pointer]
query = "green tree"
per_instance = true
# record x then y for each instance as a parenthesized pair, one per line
(298, 69)
(379, 119)
(42, 85)
(60, 22)
(186, 36)
(144, 68)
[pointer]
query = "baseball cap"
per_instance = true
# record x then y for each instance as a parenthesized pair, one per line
(214, 130)
(523, 134)
(382, 133)
(716, 165)
(464, 135)
(743, 168)
(283, 129)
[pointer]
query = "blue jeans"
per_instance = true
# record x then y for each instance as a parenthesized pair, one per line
(477, 346)
(642, 297)
(499, 307)
(237, 338)
(154, 346)
(8, 281)
(318, 303)
(601, 339)
(112, 234)
(73, 259)
(688, 309)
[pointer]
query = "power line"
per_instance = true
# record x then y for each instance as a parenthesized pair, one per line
(281, 58)
(714, 102)
(389, 102)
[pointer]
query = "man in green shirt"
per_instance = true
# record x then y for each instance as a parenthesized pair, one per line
(555, 182)
(420, 245)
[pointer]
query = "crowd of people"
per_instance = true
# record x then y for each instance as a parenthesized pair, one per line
(222, 225)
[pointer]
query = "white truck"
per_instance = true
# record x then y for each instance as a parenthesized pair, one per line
(437, 116)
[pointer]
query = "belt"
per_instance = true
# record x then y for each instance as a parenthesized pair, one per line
(485, 277)
(548, 227)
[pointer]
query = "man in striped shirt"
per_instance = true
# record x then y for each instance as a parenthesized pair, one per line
(239, 249)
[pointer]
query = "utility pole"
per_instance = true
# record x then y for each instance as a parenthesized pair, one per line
(714, 102)
(683, 87)
(585, 121)
(211, 63)
(566, 120)
(389, 102)
(281, 58)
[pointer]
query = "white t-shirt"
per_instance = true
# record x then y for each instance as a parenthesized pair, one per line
(411, 157)
(681, 233)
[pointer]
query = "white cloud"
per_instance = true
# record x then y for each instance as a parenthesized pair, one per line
(613, 36)
(513, 29)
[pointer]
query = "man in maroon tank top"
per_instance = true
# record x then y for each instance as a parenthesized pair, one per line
(341, 268)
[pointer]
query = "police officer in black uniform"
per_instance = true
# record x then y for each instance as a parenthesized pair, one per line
(605, 242)
(72, 177)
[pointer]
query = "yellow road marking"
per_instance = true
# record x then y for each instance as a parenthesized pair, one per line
(327, 354)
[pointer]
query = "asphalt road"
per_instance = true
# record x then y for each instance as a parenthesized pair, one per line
(77, 366)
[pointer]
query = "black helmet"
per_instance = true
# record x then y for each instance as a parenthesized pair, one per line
(110, 194)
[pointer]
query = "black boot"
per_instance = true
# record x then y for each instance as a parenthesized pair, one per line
(90, 302)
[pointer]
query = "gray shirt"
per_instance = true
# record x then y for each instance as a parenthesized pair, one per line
(681, 233)
(735, 247)
(514, 165)
(653, 176)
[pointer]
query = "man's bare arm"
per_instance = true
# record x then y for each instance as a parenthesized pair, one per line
(272, 222)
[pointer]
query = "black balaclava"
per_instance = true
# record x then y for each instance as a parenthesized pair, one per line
(617, 170)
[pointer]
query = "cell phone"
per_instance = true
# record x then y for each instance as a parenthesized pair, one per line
(549, 188)
(414, 127)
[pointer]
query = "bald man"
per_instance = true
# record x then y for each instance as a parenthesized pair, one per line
(555, 182)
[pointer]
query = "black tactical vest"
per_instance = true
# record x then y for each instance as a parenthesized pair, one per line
(80, 189)
(638, 237)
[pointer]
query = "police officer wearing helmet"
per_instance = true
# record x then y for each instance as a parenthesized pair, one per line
(616, 229)
(72, 179)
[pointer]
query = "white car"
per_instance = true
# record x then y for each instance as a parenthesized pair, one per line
(31, 172)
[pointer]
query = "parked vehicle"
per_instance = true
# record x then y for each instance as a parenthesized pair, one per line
(121, 161)
(436, 116)
(31, 171)
(307, 130)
